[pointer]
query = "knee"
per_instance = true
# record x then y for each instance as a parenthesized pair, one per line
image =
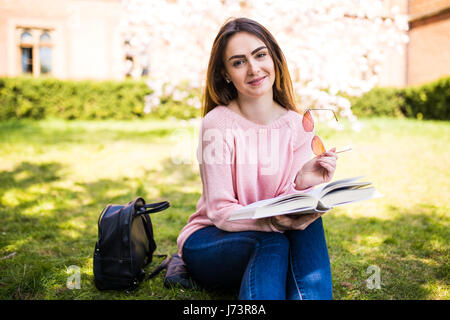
(274, 241)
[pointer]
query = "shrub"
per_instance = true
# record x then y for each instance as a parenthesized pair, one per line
(37, 98)
(379, 102)
(428, 101)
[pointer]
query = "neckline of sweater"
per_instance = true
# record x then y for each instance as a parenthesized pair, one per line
(248, 123)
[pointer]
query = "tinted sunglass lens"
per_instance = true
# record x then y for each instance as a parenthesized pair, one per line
(317, 146)
(308, 122)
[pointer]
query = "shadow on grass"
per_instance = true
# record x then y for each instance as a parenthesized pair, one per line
(410, 250)
(51, 223)
(50, 226)
(38, 134)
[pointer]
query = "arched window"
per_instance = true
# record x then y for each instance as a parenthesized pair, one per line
(26, 51)
(26, 37)
(45, 52)
(35, 50)
(45, 38)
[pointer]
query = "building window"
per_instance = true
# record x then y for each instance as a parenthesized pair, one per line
(26, 37)
(45, 53)
(27, 60)
(26, 51)
(35, 51)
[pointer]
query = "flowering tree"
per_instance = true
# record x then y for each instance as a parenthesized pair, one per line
(332, 46)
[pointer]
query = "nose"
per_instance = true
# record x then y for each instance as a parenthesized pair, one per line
(253, 67)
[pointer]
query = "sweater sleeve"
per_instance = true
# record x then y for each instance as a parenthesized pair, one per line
(216, 171)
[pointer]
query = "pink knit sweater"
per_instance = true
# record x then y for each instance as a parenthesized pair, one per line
(242, 162)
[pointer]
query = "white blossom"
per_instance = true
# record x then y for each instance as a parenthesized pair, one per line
(332, 46)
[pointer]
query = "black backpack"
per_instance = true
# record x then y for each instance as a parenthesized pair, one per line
(125, 245)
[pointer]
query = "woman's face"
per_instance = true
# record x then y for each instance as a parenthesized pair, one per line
(249, 65)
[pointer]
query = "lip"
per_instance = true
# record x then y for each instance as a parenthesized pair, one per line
(256, 82)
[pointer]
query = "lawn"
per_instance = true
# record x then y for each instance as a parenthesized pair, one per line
(56, 176)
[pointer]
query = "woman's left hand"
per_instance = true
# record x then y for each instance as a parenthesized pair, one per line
(318, 170)
(294, 221)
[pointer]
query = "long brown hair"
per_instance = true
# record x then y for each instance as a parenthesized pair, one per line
(219, 92)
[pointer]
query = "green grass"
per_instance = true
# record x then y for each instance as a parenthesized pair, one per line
(56, 176)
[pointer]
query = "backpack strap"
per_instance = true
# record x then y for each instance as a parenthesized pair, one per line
(153, 207)
(161, 267)
(140, 209)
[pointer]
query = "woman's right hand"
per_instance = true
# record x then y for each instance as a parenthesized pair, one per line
(295, 221)
(319, 169)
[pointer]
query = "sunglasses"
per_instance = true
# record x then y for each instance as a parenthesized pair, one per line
(317, 145)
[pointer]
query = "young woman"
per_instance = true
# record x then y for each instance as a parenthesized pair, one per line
(252, 146)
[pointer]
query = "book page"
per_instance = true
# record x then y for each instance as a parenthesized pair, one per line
(299, 211)
(340, 197)
(332, 185)
(294, 204)
(271, 201)
(290, 199)
(242, 215)
(347, 186)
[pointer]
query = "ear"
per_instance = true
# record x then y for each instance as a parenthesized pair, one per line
(225, 75)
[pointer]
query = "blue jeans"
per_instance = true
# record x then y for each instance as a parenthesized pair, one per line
(263, 265)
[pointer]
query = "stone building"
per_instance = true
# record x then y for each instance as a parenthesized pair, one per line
(69, 39)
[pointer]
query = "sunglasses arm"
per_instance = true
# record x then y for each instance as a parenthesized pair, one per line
(348, 148)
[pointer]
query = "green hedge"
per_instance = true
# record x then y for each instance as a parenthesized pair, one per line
(378, 102)
(432, 100)
(186, 106)
(428, 101)
(37, 98)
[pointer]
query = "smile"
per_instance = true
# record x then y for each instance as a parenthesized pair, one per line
(256, 82)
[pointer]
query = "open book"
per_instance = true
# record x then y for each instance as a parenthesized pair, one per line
(320, 199)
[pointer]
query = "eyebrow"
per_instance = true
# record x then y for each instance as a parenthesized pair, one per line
(243, 56)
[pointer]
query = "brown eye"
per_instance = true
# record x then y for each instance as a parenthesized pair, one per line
(237, 63)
